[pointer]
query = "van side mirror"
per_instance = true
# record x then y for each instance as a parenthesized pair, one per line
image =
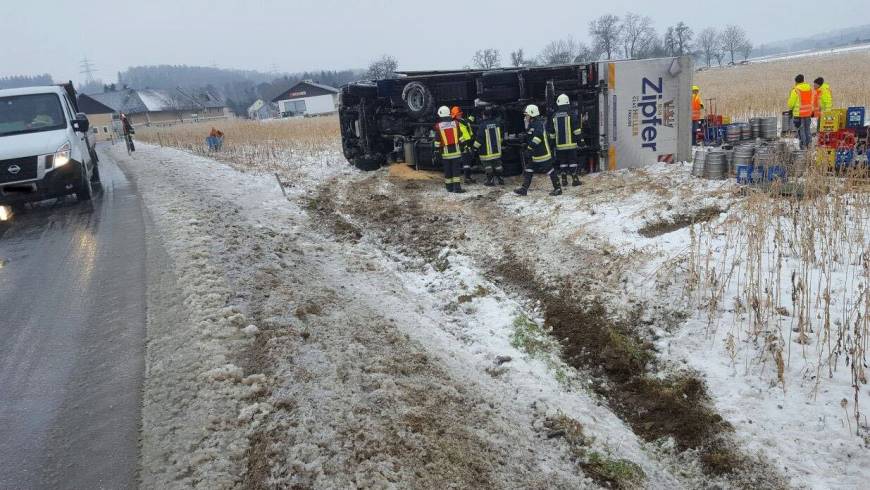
(81, 123)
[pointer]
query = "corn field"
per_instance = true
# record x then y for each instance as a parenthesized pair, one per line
(759, 89)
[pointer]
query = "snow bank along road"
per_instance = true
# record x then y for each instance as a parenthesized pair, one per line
(72, 313)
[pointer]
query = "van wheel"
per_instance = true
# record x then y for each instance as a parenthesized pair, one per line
(368, 163)
(85, 190)
(418, 100)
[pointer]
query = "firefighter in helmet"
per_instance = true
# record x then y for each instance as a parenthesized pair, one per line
(448, 149)
(539, 151)
(567, 128)
(488, 144)
(466, 141)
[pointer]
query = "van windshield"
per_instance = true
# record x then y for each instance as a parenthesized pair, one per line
(34, 113)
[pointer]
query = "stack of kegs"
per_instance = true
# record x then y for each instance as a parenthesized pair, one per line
(732, 134)
(698, 159)
(768, 128)
(798, 161)
(755, 127)
(743, 156)
(745, 132)
(715, 165)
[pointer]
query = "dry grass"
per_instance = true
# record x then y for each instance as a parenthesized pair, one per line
(253, 143)
(763, 88)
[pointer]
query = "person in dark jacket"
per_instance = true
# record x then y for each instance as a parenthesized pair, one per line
(566, 129)
(447, 146)
(488, 137)
(539, 152)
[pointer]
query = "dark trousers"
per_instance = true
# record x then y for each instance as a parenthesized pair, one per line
(492, 167)
(696, 125)
(543, 168)
(804, 134)
(452, 171)
(567, 161)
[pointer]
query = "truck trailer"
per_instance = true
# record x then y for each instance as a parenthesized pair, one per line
(634, 112)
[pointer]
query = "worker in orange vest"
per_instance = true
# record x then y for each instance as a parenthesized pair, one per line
(822, 100)
(697, 107)
(800, 102)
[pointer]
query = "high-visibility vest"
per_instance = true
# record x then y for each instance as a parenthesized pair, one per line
(697, 105)
(822, 100)
(801, 100)
(447, 139)
(565, 127)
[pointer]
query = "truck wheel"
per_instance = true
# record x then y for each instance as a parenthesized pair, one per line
(418, 100)
(368, 163)
(84, 191)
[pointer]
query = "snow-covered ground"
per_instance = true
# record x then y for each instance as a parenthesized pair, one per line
(317, 343)
(806, 54)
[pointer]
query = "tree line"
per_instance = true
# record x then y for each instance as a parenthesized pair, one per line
(19, 81)
(631, 36)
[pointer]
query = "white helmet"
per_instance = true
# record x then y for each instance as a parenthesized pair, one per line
(444, 111)
(563, 100)
(532, 111)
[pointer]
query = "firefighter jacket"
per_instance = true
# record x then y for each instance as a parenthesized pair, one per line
(466, 134)
(822, 100)
(697, 105)
(566, 128)
(488, 139)
(800, 102)
(538, 141)
(447, 138)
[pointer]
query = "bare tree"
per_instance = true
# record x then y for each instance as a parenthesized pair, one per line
(683, 35)
(518, 58)
(746, 49)
(708, 41)
(584, 54)
(606, 32)
(385, 67)
(669, 42)
(638, 34)
(559, 52)
(487, 59)
(719, 50)
(733, 38)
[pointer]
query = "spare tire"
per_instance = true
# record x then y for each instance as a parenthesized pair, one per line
(418, 100)
(369, 162)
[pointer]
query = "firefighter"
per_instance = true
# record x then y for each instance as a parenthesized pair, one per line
(448, 149)
(800, 102)
(539, 152)
(466, 141)
(822, 100)
(488, 144)
(567, 127)
(697, 108)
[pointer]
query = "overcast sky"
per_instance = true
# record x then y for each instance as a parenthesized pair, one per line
(52, 36)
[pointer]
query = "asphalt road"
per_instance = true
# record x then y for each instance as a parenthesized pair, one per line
(72, 328)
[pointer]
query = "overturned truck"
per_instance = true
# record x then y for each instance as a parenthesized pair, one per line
(634, 112)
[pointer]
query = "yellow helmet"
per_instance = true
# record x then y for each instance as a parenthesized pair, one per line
(696, 88)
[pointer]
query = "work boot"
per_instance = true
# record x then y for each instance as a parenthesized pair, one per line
(575, 180)
(468, 178)
(521, 191)
(564, 180)
(449, 187)
(500, 179)
(557, 189)
(527, 182)
(457, 188)
(488, 182)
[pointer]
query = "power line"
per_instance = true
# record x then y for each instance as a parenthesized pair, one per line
(87, 68)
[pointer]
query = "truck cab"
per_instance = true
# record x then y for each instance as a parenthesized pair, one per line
(45, 148)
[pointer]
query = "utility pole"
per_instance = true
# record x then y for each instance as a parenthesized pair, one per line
(87, 68)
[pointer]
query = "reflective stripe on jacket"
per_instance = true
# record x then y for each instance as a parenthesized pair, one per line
(538, 142)
(466, 134)
(801, 100)
(447, 139)
(488, 140)
(566, 126)
(697, 105)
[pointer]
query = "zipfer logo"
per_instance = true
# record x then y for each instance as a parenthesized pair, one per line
(13, 169)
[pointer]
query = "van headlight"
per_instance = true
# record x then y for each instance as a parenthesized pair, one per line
(61, 156)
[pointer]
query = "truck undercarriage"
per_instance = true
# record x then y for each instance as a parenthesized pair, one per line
(391, 120)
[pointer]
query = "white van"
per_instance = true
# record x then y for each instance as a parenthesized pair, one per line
(45, 151)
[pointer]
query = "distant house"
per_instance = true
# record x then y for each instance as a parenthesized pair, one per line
(262, 110)
(307, 98)
(154, 107)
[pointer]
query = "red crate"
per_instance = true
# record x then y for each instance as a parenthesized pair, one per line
(842, 139)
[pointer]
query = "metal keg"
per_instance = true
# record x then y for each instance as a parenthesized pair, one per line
(755, 127)
(743, 154)
(715, 165)
(769, 128)
(699, 156)
(732, 133)
(745, 132)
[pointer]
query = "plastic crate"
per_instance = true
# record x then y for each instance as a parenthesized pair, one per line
(825, 158)
(855, 117)
(831, 121)
(842, 139)
(744, 173)
(726, 120)
(776, 172)
(844, 158)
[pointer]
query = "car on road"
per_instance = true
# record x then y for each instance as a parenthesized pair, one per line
(45, 148)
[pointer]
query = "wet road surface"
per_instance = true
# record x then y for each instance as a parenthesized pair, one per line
(72, 327)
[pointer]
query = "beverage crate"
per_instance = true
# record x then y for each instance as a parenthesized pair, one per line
(826, 158)
(831, 121)
(844, 138)
(855, 117)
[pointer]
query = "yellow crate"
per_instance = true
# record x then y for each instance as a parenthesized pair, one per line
(826, 158)
(830, 121)
(726, 120)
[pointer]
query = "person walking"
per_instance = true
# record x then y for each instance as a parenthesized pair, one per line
(466, 141)
(448, 150)
(488, 144)
(128, 131)
(538, 148)
(800, 102)
(566, 128)
(822, 100)
(697, 108)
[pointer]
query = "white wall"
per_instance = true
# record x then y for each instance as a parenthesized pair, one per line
(320, 104)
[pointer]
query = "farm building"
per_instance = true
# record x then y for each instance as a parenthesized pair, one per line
(307, 98)
(262, 110)
(158, 107)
